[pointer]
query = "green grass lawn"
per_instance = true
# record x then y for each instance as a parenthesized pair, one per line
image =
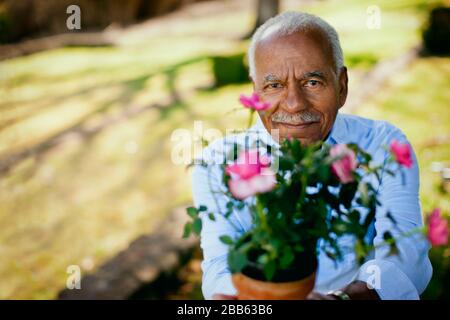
(85, 199)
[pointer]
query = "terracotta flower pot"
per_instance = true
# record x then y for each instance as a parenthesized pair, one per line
(251, 289)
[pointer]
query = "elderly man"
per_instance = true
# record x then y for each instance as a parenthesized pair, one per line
(296, 64)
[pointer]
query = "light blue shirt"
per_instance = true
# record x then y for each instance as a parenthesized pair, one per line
(401, 276)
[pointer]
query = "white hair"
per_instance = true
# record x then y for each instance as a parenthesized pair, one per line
(290, 22)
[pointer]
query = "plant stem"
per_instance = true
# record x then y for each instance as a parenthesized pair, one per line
(260, 213)
(213, 192)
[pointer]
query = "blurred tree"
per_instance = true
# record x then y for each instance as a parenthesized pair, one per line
(265, 9)
(33, 18)
(436, 36)
(149, 8)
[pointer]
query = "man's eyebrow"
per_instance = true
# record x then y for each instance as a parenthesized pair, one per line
(311, 74)
(314, 74)
(270, 77)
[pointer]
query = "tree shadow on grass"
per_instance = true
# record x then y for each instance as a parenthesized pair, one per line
(85, 131)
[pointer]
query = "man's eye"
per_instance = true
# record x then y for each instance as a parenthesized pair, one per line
(274, 85)
(312, 83)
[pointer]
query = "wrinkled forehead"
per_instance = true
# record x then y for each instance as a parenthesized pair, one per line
(302, 50)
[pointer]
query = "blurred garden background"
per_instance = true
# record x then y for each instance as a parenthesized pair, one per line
(86, 119)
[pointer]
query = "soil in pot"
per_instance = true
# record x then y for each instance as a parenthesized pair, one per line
(291, 284)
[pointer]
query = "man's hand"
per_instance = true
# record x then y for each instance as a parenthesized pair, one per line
(357, 290)
(319, 296)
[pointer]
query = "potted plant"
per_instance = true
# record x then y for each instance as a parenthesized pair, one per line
(290, 192)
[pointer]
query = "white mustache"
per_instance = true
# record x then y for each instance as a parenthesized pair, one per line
(297, 118)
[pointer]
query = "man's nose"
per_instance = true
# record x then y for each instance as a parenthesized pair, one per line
(295, 99)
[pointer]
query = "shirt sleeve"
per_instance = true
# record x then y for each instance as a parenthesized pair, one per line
(206, 186)
(405, 275)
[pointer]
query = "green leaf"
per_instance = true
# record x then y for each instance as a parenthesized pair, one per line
(297, 150)
(237, 261)
(324, 173)
(354, 216)
(347, 193)
(276, 244)
(363, 190)
(360, 251)
(226, 239)
(393, 250)
(192, 212)
(202, 208)
(367, 157)
(340, 227)
(263, 259)
(387, 236)
(269, 270)
(187, 230)
(370, 217)
(211, 217)
(197, 226)
(287, 258)
(285, 164)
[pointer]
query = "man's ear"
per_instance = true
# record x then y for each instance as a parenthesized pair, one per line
(343, 86)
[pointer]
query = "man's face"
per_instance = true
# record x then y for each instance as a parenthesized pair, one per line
(296, 75)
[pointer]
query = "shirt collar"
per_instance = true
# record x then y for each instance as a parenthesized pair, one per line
(338, 132)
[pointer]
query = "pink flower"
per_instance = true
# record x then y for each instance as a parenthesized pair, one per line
(437, 228)
(343, 167)
(402, 153)
(250, 175)
(253, 102)
(289, 137)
